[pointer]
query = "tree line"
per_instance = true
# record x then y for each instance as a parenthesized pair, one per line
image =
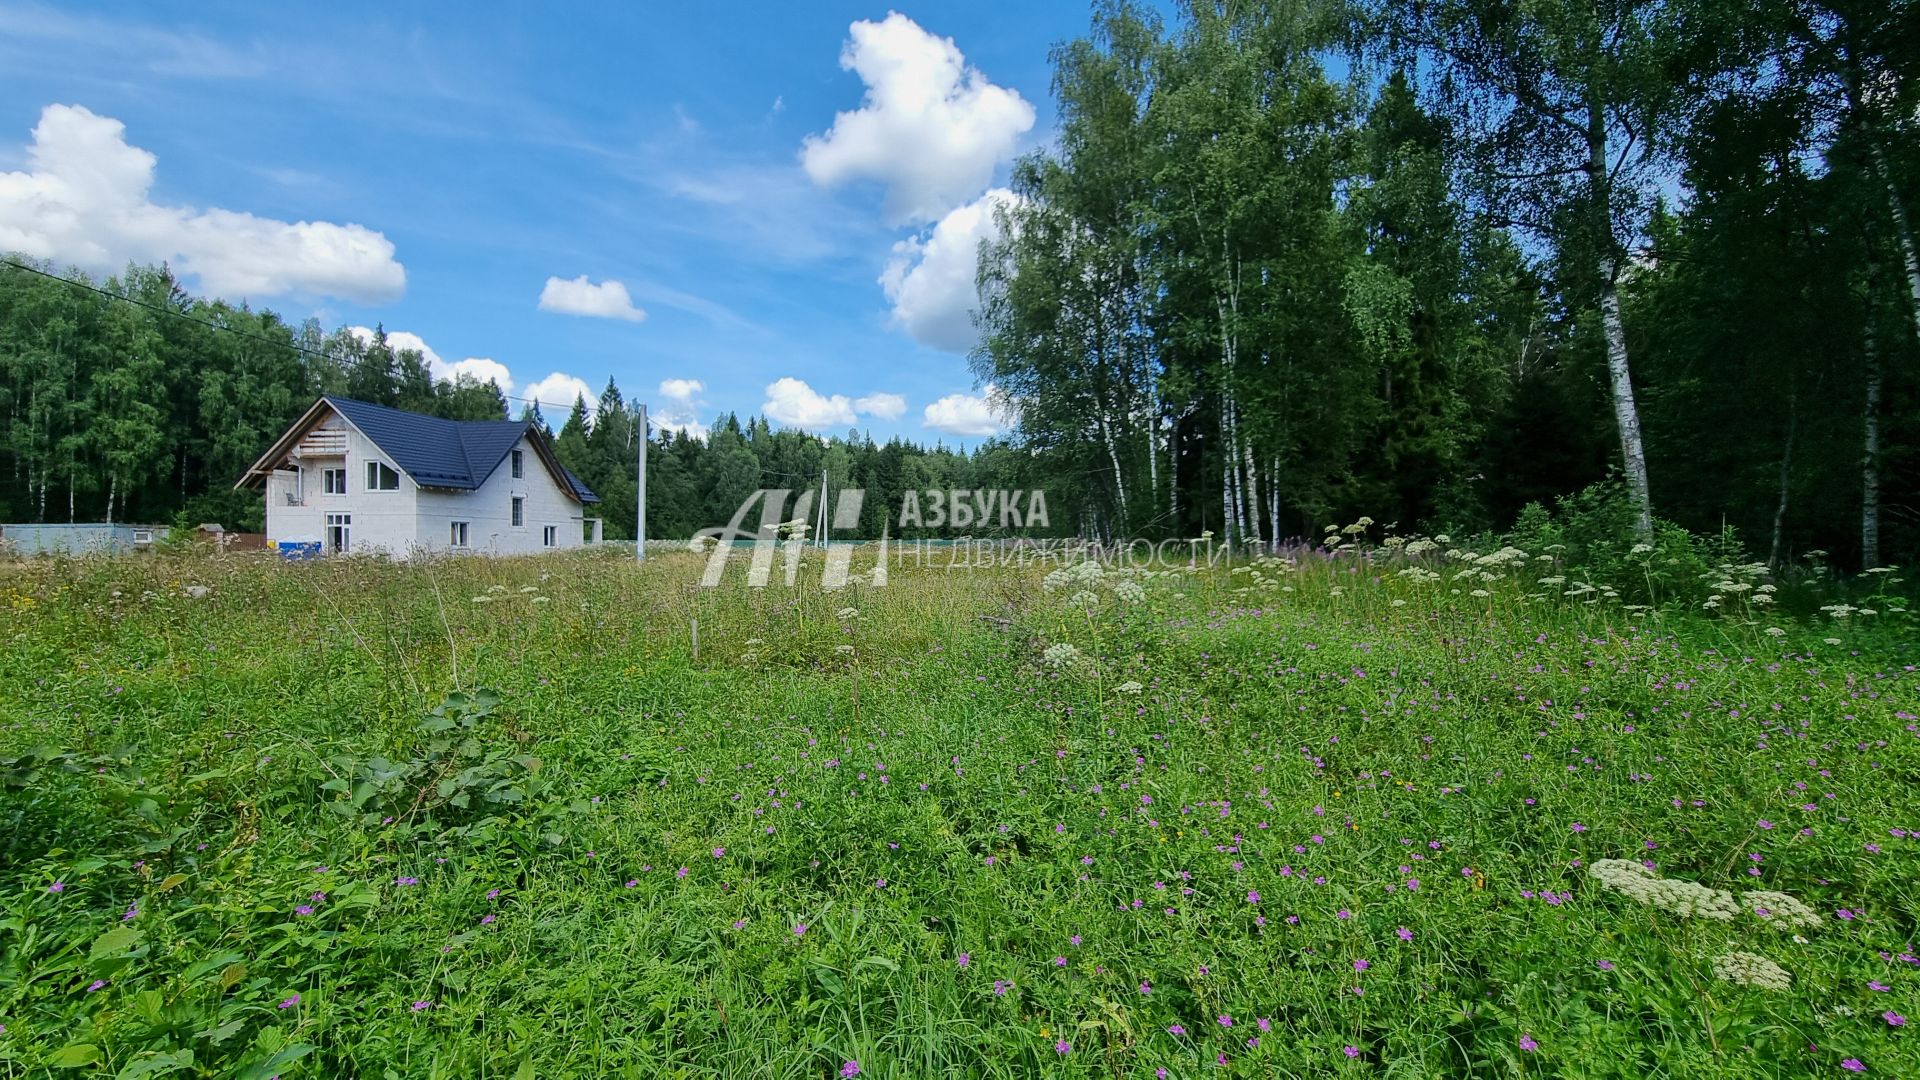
(1284, 263)
(127, 399)
(1291, 262)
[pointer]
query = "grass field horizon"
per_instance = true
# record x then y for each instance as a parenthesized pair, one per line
(1321, 815)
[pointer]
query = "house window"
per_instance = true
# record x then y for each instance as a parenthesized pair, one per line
(459, 537)
(519, 466)
(550, 536)
(338, 527)
(519, 511)
(333, 481)
(381, 477)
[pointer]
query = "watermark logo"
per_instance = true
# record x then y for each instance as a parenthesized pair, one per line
(776, 528)
(784, 532)
(989, 508)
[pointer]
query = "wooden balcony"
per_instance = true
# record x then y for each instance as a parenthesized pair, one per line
(322, 443)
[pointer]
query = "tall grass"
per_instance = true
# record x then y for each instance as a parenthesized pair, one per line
(1320, 814)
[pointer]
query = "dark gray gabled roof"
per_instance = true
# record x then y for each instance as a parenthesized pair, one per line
(453, 454)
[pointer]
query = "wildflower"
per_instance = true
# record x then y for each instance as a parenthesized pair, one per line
(57, 887)
(719, 852)
(1527, 1044)
(1604, 965)
(1361, 965)
(962, 960)
(680, 873)
(422, 1006)
(1751, 969)
(487, 920)
(1404, 934)
(1176, 1029)
(1781, 911)
(1063, 1047)
(303, 910)
(1000, 987)
(1853, 1065)
(851, 1068)
(799, 929)
(1682, 898)
(1225, 1020)
(404, 882)
(1893, 1019)
(289, 1001)
(97, 984)
(1351, 1051)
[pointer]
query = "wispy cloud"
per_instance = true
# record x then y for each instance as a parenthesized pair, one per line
(126, 44)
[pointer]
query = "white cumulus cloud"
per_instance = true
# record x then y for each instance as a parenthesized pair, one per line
(931, 128)
(84, 199)
(885, 406)
(930, 279)
(681, 407)
(578, 296)
(974, 416)
(482, 368)
(681, 390)
(794, 403)
(557, 392)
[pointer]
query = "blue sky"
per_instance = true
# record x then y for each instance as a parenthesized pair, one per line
(441, 168)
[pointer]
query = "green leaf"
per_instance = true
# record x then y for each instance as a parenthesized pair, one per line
(261, 1070)
(160, 1064)
(114, 942)
(75, 1056)
(218, 1035)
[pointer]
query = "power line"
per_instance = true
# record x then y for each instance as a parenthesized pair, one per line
(294, 346)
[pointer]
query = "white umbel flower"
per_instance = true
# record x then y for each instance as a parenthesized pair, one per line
(1752, 969)
(1683, 898)
(1780, 911)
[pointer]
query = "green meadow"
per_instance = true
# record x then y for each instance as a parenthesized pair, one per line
(1327, 814)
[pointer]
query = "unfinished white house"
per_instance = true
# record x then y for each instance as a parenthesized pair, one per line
(355, 477)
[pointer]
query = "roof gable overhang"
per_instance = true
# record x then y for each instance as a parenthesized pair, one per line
(542, 443)
(276, 454)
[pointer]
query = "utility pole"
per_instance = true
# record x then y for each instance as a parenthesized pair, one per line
(640, 526)
(820, 535)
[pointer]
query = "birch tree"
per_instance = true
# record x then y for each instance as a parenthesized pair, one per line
(1565, 108)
